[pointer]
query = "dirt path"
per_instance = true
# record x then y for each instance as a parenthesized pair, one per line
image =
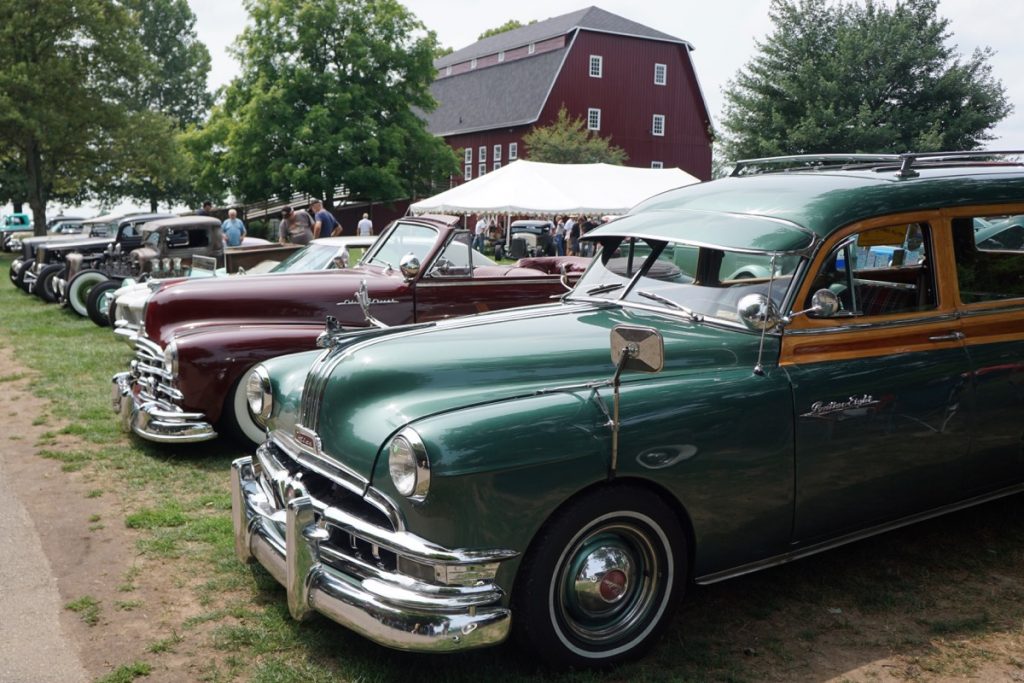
(64, 539)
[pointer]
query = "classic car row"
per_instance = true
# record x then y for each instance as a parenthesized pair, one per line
(751, 370)
(82, 269)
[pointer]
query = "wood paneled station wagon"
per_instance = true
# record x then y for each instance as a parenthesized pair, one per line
(440, 486)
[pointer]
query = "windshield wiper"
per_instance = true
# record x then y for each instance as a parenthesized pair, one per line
(602, 289)
(695, 317)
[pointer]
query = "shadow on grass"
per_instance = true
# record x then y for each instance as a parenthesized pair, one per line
(910, 593)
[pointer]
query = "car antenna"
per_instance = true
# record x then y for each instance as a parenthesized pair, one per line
(759, 367)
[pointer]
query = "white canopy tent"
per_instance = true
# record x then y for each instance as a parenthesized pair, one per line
(535, 188)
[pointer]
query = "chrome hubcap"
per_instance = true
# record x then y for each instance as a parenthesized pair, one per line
(609, 583)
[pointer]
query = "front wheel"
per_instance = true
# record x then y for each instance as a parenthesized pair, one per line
(236, 420)
(79, 287)
(601, 579)
(97, 304)
(44, 283)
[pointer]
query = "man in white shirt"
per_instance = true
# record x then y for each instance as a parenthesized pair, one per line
(481, 229)
(365, 227)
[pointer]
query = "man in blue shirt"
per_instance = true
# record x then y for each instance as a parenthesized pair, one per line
(324, 223)
(233, 229)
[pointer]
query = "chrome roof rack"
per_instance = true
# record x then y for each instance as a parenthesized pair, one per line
(905, 163)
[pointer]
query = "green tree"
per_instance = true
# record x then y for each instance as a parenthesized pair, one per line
(174, 79)
(149, 163)
(567, 141)
(13, 187)
(510, 25)
(64, 70)
(860, 77)
(326, 98)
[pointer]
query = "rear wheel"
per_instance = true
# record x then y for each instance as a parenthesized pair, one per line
(236, 420)
(44, 288)
(80, 286)
(601, 579)
(97, 304)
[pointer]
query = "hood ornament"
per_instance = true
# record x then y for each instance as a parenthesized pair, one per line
(363, 297)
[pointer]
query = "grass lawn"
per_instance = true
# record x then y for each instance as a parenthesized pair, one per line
(942, 600)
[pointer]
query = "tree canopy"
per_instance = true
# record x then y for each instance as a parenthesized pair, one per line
(149, 162)
(326, 97)
(64, 67)
(567, 141)
(860, 77)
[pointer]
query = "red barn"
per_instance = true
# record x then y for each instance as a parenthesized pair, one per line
(629, 82)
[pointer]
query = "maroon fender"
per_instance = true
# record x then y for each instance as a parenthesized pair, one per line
(212, 358)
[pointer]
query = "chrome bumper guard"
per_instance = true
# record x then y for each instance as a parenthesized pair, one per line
(292, 541)
(145, 400)
(125, 331)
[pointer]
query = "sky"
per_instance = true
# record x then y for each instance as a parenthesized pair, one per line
(724, 34)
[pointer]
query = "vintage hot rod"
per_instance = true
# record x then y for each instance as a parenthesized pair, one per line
(199, 337)
(435, 487)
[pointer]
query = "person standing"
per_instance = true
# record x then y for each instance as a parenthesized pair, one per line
(292, 229)
(206, 210)
(365, 227)
(481, 230)
(233, 229)
(570, 227)
(559, 236)
(324, 223)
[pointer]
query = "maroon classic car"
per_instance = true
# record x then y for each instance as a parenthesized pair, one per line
(199, 337)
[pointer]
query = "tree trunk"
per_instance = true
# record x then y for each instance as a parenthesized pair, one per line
(17, 206)
(152, 204)
(36, 193)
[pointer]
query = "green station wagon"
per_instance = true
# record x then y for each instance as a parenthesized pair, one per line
(563, 472)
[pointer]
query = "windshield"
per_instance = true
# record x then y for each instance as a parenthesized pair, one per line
(700, 282)
(311, 257)
(153, 239)
(404, 238)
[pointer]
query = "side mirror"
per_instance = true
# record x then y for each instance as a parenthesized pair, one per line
(824, 303)
(641, 349)
(758, 313)
(410, 266)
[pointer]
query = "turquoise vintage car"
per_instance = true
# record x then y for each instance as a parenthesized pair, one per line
(437, 487)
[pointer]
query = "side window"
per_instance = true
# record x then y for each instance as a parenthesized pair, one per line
(881, 271)
(989, 253)
(454, 261)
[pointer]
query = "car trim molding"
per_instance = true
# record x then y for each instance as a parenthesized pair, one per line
(822, 546)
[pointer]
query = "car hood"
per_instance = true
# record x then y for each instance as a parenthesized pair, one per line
(371, 389)
(286, 298)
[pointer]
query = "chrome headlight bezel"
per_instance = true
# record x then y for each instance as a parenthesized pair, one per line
(409, 465)
(259, 394)
(171, 359)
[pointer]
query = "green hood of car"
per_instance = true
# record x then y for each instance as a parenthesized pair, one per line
(372, 389)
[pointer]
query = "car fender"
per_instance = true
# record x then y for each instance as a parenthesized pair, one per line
(212, 358)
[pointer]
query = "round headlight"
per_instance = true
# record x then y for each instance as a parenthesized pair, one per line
(171, 358)
(409, 465)
(259, 394)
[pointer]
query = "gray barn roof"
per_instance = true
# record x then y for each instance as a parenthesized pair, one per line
(510, 94)
(591, 18)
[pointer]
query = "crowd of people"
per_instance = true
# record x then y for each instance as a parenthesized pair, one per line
(297, 226)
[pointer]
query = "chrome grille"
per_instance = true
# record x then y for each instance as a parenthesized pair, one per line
(155, 382)
(344, 548)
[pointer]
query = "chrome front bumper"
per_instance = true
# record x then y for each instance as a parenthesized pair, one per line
(153, 418)
(293, 542)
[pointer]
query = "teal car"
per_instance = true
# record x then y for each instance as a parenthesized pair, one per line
(443, 486)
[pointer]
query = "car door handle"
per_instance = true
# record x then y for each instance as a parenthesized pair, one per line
(952, 336)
